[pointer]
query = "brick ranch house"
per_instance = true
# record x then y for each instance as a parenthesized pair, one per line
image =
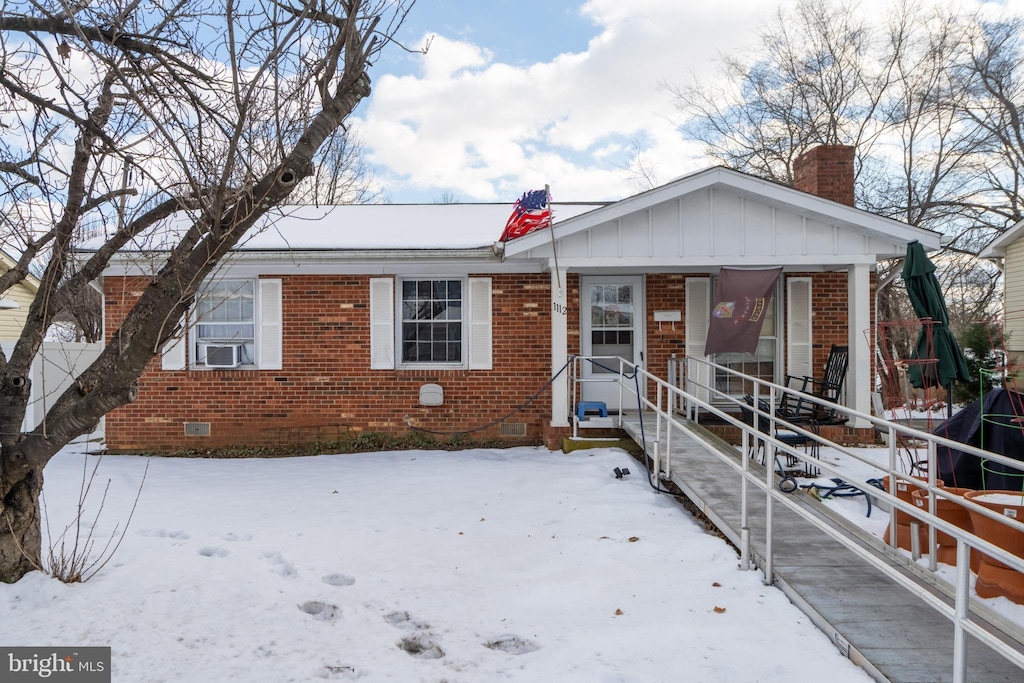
(333, 321)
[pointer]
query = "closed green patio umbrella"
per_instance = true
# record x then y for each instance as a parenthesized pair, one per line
(936, 340)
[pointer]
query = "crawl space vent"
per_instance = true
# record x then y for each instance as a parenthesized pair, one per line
(513, 429)
(197, 429)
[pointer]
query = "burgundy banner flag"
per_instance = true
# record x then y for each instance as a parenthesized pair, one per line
(741, 300)
(532, 212)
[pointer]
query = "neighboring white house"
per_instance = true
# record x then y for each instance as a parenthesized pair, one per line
(1009, 248)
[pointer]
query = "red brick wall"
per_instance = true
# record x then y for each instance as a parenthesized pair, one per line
(827, 171)
(325, 390)
(665, 292)
(572, 297)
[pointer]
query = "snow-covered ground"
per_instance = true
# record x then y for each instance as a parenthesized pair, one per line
(486, 565)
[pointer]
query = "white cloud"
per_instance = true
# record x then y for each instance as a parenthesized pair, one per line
(447, 57)
(487, 131)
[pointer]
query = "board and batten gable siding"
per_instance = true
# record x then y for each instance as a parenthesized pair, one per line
(716, 223)
(1013, 284)
(326, 389)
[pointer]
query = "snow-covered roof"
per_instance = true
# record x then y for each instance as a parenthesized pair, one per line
(367, 227)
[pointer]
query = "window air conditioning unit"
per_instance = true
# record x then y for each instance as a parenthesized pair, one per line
(220, 355)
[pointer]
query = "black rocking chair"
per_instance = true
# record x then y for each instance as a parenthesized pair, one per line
(786, 436)
(828, 388)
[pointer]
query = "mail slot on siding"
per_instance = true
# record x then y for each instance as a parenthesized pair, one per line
(431, 395)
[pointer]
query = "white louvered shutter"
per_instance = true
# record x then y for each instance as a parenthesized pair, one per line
(799, 361)
(172, 356)
(698, 316)
(480, 323)
(270, 324)
(382, 324)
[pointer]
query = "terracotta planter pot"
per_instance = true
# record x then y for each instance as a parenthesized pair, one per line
(905, 487)
(994, 577)
(954, 513)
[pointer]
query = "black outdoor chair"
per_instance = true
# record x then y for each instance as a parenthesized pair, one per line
(787, 436)
(827, 388)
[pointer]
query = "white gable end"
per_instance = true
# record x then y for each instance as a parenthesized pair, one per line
(716, 226)
(720, 218)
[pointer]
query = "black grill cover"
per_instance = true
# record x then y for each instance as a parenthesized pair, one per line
(995, 422)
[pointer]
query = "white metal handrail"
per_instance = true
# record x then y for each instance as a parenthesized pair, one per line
(676, 401)
(616, 368)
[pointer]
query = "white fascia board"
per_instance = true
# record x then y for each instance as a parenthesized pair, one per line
(375, 262)
(404, 268)
(704, 264)
(997, 247)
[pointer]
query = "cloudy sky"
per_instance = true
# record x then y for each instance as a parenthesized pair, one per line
(513, 94)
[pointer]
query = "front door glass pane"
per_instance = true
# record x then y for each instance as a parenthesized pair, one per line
(611, 324)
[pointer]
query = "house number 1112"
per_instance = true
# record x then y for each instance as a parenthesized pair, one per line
(559, 308)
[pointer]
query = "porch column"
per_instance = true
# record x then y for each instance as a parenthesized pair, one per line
(858, 376)
(559, 349)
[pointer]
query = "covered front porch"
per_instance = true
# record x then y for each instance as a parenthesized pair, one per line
(638, 278)
(796, 340)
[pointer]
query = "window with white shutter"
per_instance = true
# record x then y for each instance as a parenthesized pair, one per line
(236, 323)
(173, 353)
(431, 322)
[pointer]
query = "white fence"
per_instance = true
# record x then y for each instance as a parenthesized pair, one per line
(53, 371)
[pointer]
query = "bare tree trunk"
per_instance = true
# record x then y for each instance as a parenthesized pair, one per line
(229, 146)
(20, 542)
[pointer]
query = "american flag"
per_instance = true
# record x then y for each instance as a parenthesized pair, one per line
(531, 212)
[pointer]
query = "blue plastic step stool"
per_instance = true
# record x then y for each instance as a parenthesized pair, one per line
(584, 406)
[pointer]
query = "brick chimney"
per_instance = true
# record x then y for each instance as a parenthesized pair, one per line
(826, 171)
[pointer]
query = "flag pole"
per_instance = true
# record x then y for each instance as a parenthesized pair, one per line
(551, 224)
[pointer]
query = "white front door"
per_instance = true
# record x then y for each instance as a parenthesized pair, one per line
(611, 325)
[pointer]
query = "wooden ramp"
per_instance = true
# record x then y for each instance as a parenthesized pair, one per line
(885, 628)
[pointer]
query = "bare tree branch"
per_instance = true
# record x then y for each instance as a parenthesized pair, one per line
(172, 128)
